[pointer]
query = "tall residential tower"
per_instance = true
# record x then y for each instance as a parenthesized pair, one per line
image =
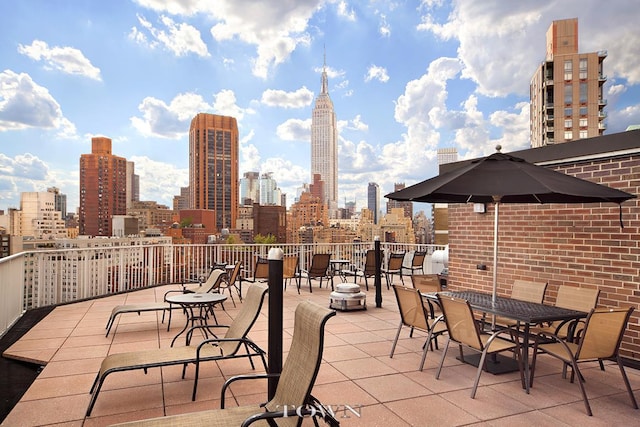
(324, 145)
(213, 167)
(103, 188)
(567, 100)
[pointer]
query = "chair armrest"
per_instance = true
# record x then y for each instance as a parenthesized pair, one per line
(233, 379)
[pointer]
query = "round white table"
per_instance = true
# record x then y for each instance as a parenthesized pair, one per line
(196, 306)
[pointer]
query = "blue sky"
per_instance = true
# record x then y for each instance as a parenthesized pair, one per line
(405, 77)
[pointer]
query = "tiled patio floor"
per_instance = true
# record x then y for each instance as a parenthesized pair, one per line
(356, 370)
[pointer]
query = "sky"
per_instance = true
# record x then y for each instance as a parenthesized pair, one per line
(405, 78)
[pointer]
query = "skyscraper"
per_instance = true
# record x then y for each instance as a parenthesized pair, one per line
(373, 200)
(103, 188)
(324, 145)
(567, 100)
(407, 207)
(213, 167)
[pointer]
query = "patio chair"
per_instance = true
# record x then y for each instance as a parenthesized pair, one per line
(414, 314)
(574, 298)
(599, 340)
(428, 284)
(232, 282)
(417, 262)
(524, 291)
(227, 347)
(464, 330)
(319, 270)
(292, 396)
(210, 285)
(369, 269)
(290, 269)
(394, 266)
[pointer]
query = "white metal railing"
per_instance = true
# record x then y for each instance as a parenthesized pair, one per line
(42, 278)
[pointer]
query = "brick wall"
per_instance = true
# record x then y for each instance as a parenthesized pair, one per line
(579, 245)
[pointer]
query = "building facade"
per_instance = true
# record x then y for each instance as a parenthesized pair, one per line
(407, 207)
(213, 167)
(373, 200)
(567, 100)
(103, 188)
(324, 145)
(250, 188)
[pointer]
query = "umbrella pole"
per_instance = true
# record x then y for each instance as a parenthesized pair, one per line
(495, 253)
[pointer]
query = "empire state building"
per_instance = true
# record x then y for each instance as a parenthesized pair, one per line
(324, 145)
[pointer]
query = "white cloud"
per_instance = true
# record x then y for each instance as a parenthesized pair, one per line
(615, 90)
(181, 39)
(295, 130)
(24, 104)
(168, 121)
(302, 97)
(355, 124)
(384, 28)
(159, 181)
(173, 120)
(376, 72)
(345, 11)
(69, 60)
(23, 166)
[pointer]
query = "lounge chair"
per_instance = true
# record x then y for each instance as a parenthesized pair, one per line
(292, 396)
(211, 284)
(216, 349)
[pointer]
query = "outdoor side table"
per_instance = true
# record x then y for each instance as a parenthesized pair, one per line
(196, 306)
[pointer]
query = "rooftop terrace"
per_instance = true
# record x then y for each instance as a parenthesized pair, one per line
(356, 370)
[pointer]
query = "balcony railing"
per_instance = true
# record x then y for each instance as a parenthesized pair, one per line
(43, 278)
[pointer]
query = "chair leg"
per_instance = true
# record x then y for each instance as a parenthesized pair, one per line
(626, 382)
(574, 366)
(444, 354)
(395, 341)
(478, 373)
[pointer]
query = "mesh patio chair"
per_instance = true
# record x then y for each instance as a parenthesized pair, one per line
(233, 282)
(227, 347)
(212, 283)
(464, 330)
(599, 340)
(394, 266)
(414, 314)
(290, 269)
(417, 262)
(428, 284)
(574, 298)
(293, 392)
(524, 291)
(319, 269)
(369, 269)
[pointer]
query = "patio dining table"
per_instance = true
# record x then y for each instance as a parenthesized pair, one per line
(524, 312)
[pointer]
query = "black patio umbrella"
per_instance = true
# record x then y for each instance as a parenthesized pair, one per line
(501, 178)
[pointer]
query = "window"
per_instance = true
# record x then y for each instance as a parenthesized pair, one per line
(583, 111)
(568, 94)
(584, 134)
(568, 112)
(568, 123)
(568, 70)
(583, 68)
(568, 135)
(583, 93)
(583, 123)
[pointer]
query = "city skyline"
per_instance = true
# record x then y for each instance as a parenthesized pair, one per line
(405, 80)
